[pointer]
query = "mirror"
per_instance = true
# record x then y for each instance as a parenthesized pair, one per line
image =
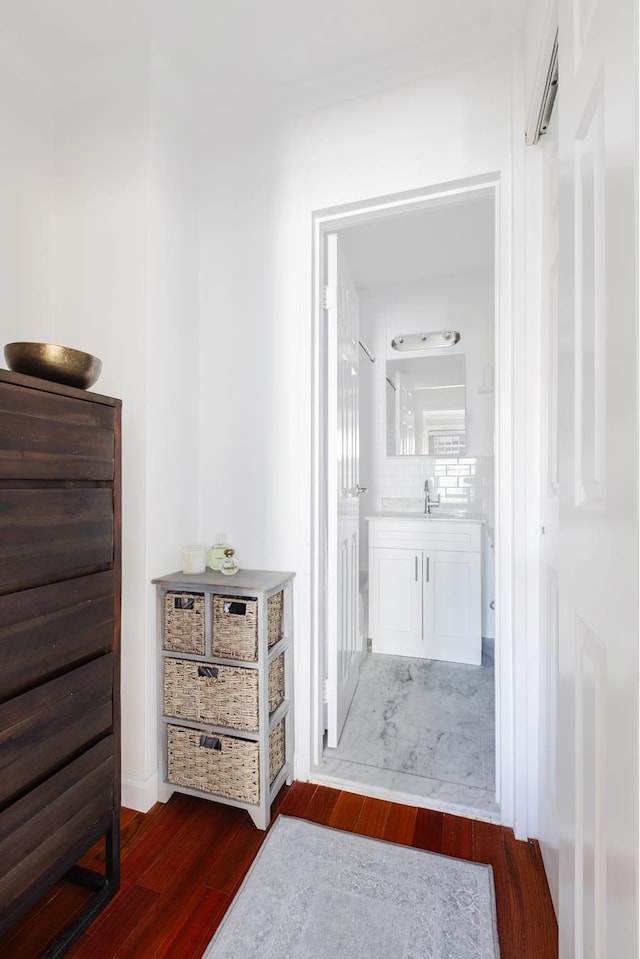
(426, 406)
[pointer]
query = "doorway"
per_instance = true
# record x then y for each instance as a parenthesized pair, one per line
(387, 252)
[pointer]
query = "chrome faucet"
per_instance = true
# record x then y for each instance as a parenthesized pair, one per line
(428, 502)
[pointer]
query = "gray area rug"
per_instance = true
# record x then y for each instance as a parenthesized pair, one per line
(320, 893)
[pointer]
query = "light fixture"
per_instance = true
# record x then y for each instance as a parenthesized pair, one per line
(425, 341)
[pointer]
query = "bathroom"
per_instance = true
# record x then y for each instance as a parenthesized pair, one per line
(417, 726)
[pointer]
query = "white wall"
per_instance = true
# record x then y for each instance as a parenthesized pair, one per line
(247, 486)
(174, 419)
(257, 306)
(172, 327)
(26, 224)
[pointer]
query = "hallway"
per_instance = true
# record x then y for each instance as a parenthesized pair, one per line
(182, 863)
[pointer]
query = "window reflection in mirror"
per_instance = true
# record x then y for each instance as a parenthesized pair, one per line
(426, 405)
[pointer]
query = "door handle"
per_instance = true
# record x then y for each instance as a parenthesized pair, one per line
(416, 572)
(427, 571)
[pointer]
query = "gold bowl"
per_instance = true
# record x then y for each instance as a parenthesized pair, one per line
(51, 362)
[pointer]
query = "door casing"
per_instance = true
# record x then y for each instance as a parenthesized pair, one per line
(511, 768)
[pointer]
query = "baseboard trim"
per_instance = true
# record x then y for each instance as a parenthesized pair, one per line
(140, 794)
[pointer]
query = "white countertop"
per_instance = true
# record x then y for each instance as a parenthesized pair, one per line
(437, 516)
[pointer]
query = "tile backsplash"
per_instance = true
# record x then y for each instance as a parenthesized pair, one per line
(466, 481)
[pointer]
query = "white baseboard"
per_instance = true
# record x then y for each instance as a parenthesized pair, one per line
(140, 794)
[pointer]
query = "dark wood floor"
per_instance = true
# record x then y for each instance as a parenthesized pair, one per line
(183, 862)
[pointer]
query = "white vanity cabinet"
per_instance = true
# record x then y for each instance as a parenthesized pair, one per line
(425, 587)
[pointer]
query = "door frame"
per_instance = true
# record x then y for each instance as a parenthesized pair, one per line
(508, 771)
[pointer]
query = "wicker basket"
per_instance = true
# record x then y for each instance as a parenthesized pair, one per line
(184, 622)
(222, 765)
(235, 626)
(221, 695)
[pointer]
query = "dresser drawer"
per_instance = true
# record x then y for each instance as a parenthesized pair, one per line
(46, 831)
(51, 534)
(46, 630)
(45, 436)
(44, 728)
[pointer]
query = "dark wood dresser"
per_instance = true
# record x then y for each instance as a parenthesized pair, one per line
(60, 508)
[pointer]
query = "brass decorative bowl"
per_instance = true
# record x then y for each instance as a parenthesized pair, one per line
(51, 362)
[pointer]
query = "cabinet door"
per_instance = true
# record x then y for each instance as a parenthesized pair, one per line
(395, 601)
(452, 622)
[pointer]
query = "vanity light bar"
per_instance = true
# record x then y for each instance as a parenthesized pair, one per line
(425, 341)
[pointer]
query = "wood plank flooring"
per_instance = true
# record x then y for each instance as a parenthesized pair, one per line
(183, 862)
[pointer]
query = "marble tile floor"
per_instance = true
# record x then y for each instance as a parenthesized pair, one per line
(423, 729)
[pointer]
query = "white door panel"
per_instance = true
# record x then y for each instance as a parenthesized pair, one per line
(598, 531)
(343, 642)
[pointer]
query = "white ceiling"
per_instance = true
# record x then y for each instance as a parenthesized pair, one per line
(55, 38)
(268, 50)
(441, 240)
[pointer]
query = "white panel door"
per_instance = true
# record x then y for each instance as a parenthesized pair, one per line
(549, 513)
(343, 488)
(395, 601)
(452, 607)
(598, 434)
